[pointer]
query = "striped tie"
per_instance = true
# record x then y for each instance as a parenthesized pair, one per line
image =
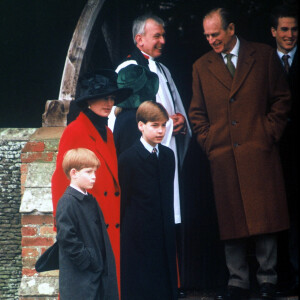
(285, 59)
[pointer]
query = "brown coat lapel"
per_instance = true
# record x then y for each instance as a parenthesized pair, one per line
(245, 62)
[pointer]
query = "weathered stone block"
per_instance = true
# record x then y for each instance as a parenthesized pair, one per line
(36, 199)
(39, 175)
(39, 286)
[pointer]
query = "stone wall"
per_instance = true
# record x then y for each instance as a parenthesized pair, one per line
(12, 141)
(38, 159)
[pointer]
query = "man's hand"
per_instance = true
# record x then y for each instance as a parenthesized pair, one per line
(179, 124)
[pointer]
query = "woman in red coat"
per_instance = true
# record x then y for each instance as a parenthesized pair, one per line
(97, 94)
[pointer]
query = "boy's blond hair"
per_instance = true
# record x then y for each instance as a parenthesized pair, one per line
(78, 159)
(150, 111)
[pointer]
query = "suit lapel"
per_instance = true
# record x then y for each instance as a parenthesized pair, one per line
(143, 152)
(218, 68)
(245, 62)
(244, 65)
(294, 65)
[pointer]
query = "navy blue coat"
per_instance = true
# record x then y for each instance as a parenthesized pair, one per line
(86, 262)
(148, 249)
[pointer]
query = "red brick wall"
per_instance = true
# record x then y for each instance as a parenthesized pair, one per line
(37, 227)
(37, 236)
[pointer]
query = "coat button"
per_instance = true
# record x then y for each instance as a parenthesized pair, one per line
(117, 225)
(106, 225)
(233, 122)
(117, 194)
(105, 193)
(231, 100)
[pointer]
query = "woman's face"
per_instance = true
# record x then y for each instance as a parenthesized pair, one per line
(102, 107)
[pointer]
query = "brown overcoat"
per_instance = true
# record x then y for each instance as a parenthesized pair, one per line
(238, 122)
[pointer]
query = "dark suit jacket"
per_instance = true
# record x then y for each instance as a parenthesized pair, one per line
(87, 267)
(148, 249)
(289, 142)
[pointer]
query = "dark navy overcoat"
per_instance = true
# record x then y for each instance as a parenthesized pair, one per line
(87, 267)
(148, 249)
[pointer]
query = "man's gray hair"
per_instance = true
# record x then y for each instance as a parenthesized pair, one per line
(138, 26)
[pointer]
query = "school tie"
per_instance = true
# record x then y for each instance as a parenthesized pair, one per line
(286, 65)
(153, 155)
(229, 64)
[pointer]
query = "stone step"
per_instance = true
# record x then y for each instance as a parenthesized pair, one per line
(196, 295)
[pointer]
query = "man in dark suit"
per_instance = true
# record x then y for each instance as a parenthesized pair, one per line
(284, 28)
(238, 112)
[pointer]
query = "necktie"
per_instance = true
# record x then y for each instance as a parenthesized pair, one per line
(229, 64)
(153, 155)
(285, 59)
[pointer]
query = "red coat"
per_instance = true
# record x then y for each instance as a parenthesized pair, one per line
(81, 133)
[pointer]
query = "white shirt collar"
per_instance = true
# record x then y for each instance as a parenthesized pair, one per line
(148, 146)
(291, 53)
(77, 189)
(235, 50)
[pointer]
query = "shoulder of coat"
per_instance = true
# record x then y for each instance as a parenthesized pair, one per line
(254, 47)
(206, 58)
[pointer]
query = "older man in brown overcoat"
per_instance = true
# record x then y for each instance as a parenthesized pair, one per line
(238, 112)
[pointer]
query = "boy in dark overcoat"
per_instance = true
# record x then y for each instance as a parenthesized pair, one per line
(146, 174)
(87, 267)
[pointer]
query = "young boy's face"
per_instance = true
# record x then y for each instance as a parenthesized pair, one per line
(83, 179)
(153, 132)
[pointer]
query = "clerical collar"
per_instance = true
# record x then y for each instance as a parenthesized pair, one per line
(291, 54)
(147, 56)
(148, 146)
(235, 50)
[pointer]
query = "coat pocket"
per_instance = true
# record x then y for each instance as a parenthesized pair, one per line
(96, 264)
(207, 142)
(270, 139)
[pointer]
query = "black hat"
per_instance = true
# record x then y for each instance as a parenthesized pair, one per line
(99, 85)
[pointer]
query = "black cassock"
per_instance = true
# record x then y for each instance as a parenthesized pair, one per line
(148, 247)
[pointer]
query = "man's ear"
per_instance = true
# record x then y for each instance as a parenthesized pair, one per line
(141, 126)
(231, 28)
(139, 40)
(273, 31)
